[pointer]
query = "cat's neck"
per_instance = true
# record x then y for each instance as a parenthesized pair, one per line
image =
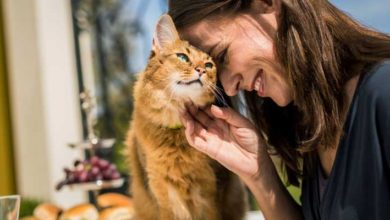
(155, 105)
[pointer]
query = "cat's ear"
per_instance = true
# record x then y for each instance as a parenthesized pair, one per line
(165, 33)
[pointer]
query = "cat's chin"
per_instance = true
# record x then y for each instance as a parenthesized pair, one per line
(193, 92)
(201, 102)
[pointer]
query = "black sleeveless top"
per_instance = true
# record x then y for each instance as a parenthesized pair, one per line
(358, 186)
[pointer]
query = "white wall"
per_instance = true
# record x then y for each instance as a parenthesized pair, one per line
(44, 99)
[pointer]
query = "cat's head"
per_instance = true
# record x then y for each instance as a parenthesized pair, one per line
(188, 73)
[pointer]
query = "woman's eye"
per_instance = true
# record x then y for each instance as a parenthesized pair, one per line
(182, 57)
(221, 57)
(208, 65)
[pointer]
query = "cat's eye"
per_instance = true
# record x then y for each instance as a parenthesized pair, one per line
(208, 65)
(182, 57)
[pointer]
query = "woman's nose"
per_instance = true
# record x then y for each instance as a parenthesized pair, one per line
(229, 82)
(231, 88)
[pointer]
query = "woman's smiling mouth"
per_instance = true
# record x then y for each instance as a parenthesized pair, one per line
(258, 84)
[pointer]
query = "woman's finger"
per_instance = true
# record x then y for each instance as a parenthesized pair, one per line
(201, 145)
(208, 143)
(192, 127)
(230, 116)
(195, 138)
(218, 124)
(200, 116)
(185, 118)
(207, 110)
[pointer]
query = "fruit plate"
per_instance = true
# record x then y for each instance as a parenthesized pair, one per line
(94, 144)
(97, 185)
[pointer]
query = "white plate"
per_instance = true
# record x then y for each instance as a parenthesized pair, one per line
(98, 185)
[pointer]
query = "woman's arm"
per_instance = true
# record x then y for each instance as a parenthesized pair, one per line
(272, 196)
(231, 139)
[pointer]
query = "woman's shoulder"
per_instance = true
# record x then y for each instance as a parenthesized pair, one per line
(373, 104)
(375, 84)
(374, 100)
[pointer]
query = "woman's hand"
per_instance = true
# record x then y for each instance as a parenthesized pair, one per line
(225, 136)
(232, 140)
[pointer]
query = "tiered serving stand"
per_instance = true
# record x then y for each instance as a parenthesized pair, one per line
(90, 146)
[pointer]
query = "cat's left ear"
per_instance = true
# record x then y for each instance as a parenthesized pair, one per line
(165, 33)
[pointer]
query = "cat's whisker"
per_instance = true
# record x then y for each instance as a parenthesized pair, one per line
(220, 97)
(217, 92)
(170, 90)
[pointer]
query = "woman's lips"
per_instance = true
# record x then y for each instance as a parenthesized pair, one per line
(259, 83)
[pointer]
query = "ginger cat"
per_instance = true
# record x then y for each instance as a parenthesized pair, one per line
(170, 179)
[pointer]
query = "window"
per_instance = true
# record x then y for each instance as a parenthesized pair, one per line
(113, 41)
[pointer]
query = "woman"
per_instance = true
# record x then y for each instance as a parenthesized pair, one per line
(317, 89)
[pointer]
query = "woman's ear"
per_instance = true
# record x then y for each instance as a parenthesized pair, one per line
(165, 33)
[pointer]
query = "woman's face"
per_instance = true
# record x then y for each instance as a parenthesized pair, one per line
(243, 46)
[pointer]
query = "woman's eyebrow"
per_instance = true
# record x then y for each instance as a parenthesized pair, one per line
(211, 50)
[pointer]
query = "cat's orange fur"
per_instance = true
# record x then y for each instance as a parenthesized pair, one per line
(170, 179)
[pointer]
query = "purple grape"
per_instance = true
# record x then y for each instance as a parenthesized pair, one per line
(83, 176)
(107, 174)
(95, 170)
(80, 167)
(99, 176)
(94, 160)
(103, 164)
(91, 177)
(112, 167)
(115, 175)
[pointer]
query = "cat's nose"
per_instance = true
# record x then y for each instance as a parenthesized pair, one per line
(200, 70)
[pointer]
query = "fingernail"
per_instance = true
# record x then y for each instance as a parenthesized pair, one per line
(217, 109)
(203, 132)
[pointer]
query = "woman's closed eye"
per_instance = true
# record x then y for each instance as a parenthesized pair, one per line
(221, 57)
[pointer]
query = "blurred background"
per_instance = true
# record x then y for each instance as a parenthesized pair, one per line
(50, 52)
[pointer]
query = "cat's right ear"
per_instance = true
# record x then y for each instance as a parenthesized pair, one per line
(165, 33)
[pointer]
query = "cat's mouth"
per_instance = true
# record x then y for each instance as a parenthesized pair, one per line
(190, 82)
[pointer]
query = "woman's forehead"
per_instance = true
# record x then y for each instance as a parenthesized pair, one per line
(204, 34)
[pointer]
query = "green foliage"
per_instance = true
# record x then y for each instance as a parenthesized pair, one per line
(295, 193)
(252, 202)
(116, 123)
(27, 206)
(119, 158)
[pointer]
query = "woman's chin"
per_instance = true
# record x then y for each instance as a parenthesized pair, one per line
(282, 102)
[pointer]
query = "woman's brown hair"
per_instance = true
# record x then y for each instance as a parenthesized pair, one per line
(320, 49)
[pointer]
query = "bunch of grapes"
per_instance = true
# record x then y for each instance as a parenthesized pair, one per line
(89, 171)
